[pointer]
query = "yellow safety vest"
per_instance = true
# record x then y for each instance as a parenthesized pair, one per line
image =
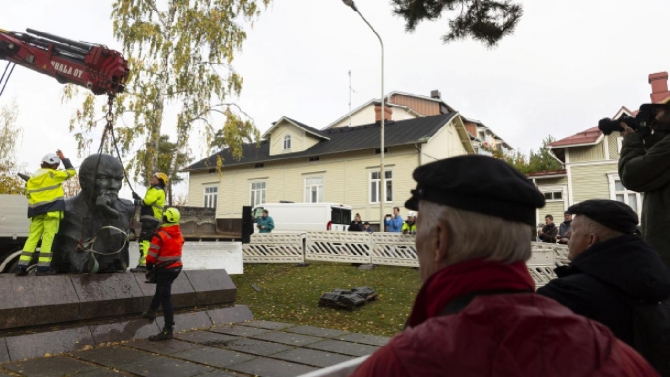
(153, 204)
(45, 192)
(411, 229)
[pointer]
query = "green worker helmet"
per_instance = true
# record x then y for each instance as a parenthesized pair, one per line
(171, 215)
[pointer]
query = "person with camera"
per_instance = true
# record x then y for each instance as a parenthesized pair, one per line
(644, 166)
(549, 231)
(163, 268)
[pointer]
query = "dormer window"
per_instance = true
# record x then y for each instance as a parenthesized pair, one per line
(287, 142)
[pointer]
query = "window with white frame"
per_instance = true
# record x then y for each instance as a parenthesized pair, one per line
(375, 183)
(287, 142)
(314, 190)
(632, 198)
(619, 193)
(553, 195)
(258, 190)
(211, 194)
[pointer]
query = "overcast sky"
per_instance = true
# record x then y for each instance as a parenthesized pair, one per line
(570, 63)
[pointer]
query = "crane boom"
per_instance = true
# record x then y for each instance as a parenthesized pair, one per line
(93, 66)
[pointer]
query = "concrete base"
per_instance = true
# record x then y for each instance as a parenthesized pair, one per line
(31, 301)
(40, 344)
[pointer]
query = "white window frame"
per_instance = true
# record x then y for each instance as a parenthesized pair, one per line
(257, 195)
(210, 199)
(319, 190)
(378, 181)
(287, 142)
(553, 189)
(553, 194)
(639, 197)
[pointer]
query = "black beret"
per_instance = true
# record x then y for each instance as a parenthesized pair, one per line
(479, 184)
(610, 213)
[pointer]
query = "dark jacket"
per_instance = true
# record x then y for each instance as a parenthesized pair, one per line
(355, 226)
(549, 233)
(648, 171)
(603, 281)
(499, 335)
(564, 228)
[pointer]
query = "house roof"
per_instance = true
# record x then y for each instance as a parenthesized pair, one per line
(495, 136)
(391, 104)
(304, 127)
(547, 173)
(589, 137)
(341, 139)
(371, 102)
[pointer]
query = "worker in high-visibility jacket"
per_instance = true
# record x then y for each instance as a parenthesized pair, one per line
(151, 213)
(46, 203)
(163, 267)
(409, 227)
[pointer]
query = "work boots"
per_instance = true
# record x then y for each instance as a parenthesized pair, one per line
(166, 334)
(21, 272)
(149, 314)
(139, 269)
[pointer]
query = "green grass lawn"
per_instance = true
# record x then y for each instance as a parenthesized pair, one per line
(291, 294)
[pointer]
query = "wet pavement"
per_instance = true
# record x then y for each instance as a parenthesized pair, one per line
(258, 348)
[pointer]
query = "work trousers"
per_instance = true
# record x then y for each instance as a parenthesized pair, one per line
(149, 227)
(45, 226)
(163, 295)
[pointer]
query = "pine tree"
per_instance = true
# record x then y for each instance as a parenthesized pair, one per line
(487, 21)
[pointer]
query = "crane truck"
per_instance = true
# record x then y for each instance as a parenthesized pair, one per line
(89, 65)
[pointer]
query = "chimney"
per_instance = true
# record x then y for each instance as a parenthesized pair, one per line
(435, 94)
(378, 112)
(659, 86)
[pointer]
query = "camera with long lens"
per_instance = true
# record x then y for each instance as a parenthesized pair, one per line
(641, 123)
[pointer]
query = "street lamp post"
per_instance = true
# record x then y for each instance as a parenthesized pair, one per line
(382, 177)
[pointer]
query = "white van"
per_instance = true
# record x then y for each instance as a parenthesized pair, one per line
(301, 217)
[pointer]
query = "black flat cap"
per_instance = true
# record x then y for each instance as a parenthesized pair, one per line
(479, 184)
(610, 213)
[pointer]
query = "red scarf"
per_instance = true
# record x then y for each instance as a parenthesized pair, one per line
(463, 278)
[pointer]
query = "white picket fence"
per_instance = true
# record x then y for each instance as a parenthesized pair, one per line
(390, 249)
(274, 248)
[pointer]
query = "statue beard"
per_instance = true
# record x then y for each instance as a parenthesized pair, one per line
(104, 202)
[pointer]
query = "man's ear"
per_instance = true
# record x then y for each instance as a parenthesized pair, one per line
(593, 239)
(441, 236)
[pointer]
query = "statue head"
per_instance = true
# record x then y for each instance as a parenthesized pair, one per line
(101, 188)
(108, 180)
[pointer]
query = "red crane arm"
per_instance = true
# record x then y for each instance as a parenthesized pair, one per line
(92, 66)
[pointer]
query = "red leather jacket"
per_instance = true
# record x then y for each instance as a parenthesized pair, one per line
(165, 249)
(519, 334)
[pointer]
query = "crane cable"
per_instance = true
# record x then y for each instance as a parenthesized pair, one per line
(87, 246)
(4, 85)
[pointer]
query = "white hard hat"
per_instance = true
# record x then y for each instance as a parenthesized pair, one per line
(411, 214)
(51, 158)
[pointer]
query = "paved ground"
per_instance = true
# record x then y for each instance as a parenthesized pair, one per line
(259, 348)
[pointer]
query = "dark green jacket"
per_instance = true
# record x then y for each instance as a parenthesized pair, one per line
(648, 171)
(267, 223)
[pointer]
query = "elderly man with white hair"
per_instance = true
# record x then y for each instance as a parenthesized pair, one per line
(476, 313)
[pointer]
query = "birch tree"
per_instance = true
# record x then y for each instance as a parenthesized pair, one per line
(10, 133)
(181, 54)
